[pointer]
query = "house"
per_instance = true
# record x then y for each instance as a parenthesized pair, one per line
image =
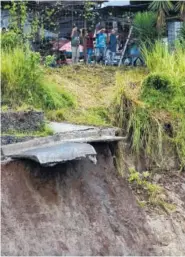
(66, 14)
(117, 11)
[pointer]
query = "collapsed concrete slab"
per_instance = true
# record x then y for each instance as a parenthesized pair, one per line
(51, 155)
(13, 149)
(65, 134)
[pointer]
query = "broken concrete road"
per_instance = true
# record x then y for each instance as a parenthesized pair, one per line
(58, 153)
(40, 149)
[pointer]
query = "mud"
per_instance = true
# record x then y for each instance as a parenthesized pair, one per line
(75, 208)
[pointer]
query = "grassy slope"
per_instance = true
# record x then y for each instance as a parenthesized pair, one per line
(93, 88)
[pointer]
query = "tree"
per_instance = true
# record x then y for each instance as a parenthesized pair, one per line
(18, 14)
(162, 8)
(89, 12)
(180, 7)
(145, 27)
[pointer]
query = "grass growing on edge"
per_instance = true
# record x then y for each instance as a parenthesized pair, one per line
(151, 192)
(42, 132)
(150, 109)
(159, 59)
(92, 116)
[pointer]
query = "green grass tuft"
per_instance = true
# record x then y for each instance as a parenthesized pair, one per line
(92, 116)
(42, 132)
(150, 107)
(153, 194)
(23, 82)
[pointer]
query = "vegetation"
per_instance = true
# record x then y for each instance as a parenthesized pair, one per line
(150, 26)
(42, 132)
(23, 82)
(162, 9)
(10, 41)
(92, 88)
(145, 27)
(28, 84)
(149, 192)
(180, 7)
(49, 60)
(151, 107)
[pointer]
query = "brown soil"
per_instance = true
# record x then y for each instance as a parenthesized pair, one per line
(76, 208)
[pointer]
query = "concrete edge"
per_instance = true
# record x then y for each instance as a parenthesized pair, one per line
(8, 150)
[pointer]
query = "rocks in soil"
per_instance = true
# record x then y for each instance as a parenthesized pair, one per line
(22, 121)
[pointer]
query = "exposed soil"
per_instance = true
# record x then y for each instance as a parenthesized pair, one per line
(169, 229)
(79, 208)
(72, 209)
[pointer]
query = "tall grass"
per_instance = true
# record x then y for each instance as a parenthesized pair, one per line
(10, 40)
(20, 73)
(23, 82)
(153, 114)
(158, 58)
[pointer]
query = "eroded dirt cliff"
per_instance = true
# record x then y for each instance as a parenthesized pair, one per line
(78, 208)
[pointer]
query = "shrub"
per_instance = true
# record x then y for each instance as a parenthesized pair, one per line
(145, 27)
(172, 66)
(157, 82)
(56, 115)
(150, 110)
(49, 60)
(20, 73)
(157, 90)
(10, 40)
(23, 82)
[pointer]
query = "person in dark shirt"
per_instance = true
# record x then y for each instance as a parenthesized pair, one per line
(89, 45)
(112, 46)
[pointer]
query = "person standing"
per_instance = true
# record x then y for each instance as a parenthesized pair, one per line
(84, 43)
(101, 41)
(89, 45)
(112, 46)
(75, 45)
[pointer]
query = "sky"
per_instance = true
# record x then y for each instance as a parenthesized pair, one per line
(116, 3)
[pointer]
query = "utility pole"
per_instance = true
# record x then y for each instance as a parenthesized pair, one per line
(72, 14)
(126, 44)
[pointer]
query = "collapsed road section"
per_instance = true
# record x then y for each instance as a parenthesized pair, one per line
(51, 155)
(69, 142)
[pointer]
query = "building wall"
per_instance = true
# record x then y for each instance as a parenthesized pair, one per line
(173, 30)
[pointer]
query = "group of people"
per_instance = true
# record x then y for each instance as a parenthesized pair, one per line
(100, 44)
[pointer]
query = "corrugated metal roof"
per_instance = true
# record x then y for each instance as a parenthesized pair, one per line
(115, 3)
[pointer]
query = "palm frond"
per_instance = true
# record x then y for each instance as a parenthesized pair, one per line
(180, 6)
(162, 9)
(165, 6)
(145, 26)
